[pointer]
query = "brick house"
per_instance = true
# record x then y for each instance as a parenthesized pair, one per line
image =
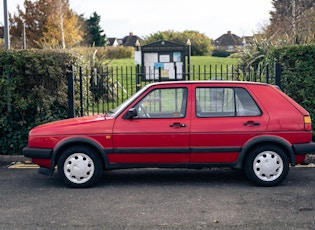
(228, 42)
(129, 40)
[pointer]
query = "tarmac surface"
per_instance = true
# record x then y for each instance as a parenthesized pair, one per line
(152, 199)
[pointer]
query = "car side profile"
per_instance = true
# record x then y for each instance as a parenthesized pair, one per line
(183, 124)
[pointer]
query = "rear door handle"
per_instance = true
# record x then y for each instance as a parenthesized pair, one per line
(177, 125)
(251, 123)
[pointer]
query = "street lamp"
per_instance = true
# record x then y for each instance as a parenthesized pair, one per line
(138, 45)
(138, 50)
(188, 43)
(6, 25)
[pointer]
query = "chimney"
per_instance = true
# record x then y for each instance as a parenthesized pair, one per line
(229, 32)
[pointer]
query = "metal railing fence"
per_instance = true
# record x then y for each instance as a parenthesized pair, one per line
(96, 91)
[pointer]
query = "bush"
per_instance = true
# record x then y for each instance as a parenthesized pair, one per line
(119, 52)
(220, 53)
(297, 73)
(106, 53)
(33, 90)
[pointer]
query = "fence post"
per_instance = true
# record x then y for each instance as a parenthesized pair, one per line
(70, 92)
(277, 70)
(175, 70)
(267, 73)
(81, 92)
(160, 74)
(138, 86)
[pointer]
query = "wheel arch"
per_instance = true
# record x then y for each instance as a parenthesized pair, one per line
(60, 147)
(253, 143)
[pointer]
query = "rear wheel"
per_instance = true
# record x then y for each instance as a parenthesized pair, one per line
(79, 167)
(267, 165)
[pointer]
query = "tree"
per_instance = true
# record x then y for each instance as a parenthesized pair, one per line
(48, 23)
(94, 33)
(291, 20)
(200, 43)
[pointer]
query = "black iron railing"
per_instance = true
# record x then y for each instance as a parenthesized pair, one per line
(99, 90)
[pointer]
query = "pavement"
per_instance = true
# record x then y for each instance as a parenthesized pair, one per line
(16, 161)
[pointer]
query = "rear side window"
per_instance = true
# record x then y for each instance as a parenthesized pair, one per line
(225, 102)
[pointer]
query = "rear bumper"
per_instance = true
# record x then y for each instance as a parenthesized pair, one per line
(305, 148)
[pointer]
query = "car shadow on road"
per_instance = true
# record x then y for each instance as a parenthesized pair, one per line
(157, 177)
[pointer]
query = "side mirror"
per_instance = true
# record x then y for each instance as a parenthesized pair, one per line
(132, 113)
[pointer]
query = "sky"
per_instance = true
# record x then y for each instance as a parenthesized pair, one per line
(145, 17)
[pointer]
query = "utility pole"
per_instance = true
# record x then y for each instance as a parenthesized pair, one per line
(6, 25)
(7, 47)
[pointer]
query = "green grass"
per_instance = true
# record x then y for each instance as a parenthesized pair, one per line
(122, 62)
(195, 60)
(208, 60)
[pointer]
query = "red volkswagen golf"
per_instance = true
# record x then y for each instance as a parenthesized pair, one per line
(187, 124)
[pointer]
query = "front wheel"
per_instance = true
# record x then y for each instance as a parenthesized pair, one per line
(267, 165)
(79, 167)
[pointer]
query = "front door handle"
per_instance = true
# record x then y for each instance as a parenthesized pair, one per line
(251, 123)
(177, 125)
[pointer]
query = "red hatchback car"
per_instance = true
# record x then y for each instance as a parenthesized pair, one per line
(186, 124)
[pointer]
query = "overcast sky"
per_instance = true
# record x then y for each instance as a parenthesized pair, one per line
(145, 17)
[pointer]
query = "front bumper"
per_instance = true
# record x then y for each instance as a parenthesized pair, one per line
(41, 157)
(37, 153)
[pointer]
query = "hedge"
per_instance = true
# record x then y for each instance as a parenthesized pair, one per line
(33, 91)
(297, 74)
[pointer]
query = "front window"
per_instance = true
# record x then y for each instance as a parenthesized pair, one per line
(121, 107)
(163, 103)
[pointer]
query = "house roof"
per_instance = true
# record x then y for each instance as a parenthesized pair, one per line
(228, 39)
(111, 41)
(130, 40)
(163, 45)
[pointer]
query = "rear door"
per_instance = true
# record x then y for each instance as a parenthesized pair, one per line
(159, 134)
(225, 117)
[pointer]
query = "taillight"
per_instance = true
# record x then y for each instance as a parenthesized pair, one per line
(307, 123)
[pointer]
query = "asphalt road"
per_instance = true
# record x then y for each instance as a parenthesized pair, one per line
(157, 199)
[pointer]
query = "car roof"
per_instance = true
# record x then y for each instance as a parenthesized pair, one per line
(212, 82)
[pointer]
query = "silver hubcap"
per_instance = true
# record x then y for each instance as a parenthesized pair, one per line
(79, 168)
(268, 166)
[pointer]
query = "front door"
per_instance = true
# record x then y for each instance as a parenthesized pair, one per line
(159, 134)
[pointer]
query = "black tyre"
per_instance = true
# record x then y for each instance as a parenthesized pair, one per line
(79, 167)
(267, 165)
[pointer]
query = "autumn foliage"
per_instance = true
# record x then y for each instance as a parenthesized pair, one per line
(48, 24)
